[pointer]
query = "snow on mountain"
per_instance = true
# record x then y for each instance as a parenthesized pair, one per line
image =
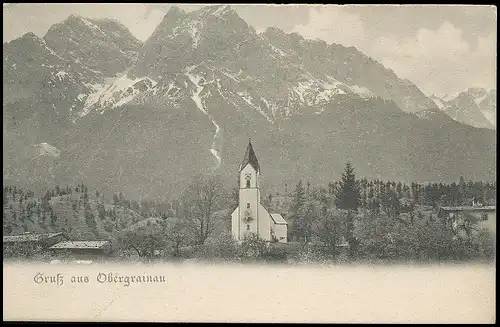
(199, 83)
(115, 92)
(438, 101)
(450, 96)
(472, 106)
(103, 45)
(45, 149)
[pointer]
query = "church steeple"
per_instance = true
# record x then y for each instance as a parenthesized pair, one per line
(250, 158)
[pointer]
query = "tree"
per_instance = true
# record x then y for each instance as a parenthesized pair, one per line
(203, 196)
(328, 229)
(348, 198)
(462, 189)
(53, 220)
(304, 219)
(302, 213)
(177, 233)
(89, 219)
(143, 240)
(299, 197)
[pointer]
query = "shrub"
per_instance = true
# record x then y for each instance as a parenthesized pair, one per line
(486, 244)
(222, 246)
(252, 247)
(274, 254)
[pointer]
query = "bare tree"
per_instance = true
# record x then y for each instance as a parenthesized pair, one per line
(143, 240)
(177, 233)
(203, 196)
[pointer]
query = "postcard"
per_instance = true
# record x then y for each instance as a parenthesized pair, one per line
(249, 163)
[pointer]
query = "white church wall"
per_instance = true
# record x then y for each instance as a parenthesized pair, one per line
(264, 223)
(248, 201)
(280, 231)
(234, 224)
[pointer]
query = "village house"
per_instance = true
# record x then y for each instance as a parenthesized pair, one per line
(251, 216)
(466, 221)
(89, 251)
(28, 244)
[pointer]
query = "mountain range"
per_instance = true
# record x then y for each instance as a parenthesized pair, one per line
(90, 102)
(473, 106)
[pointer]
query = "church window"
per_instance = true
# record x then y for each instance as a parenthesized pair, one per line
(247, 178)
(248, 205)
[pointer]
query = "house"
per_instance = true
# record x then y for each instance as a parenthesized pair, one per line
(81, 250)
(251, 216)
(28, 243)
(462, 217)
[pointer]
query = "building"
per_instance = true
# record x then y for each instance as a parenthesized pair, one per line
(81, 250)
(28, 243)
(250, 216)
(460, 218)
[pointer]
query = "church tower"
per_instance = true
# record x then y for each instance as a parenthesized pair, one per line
(249, 194)
(251, 217)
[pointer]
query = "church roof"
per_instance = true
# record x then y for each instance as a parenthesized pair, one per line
(250, 158)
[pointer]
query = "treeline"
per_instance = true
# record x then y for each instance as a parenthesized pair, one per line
(389, 220)
(352, 219)
(147, 208)
(390, 194)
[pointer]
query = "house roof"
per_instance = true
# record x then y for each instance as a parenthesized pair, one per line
(468, 208)
(278, 219)
(250, 158)
(30, 237)
(80, 245)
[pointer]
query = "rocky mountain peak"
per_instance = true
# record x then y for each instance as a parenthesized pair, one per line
(215, 10)
(473, 106)
(103, 45)
(30, 35)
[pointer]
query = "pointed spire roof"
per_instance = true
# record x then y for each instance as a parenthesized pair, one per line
(250, 158)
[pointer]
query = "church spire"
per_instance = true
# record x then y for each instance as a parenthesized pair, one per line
(250, 158)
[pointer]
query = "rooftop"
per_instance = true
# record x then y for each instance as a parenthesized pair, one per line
(278, 219)
(29, 237)
(469, 208)
(250, 158)
(80, 245)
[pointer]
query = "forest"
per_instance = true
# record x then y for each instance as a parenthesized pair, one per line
(347, 220)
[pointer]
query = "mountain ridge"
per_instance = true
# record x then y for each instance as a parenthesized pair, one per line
(199, 87)
(472, 106)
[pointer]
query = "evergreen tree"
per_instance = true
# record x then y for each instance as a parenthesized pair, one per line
(462, 189)
(53, 220)
(299, 197)
(347, 197)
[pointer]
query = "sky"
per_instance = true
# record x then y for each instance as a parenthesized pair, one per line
(443, 49)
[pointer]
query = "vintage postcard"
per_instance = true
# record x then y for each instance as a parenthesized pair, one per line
(249, 163)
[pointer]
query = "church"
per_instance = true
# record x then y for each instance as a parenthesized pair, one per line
(250, 216)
